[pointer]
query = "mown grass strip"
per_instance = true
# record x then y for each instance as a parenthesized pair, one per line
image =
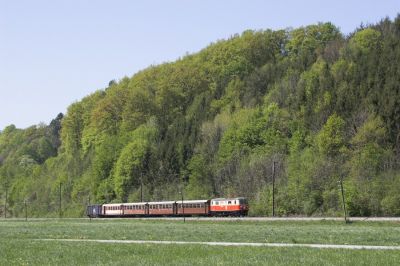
(248, 244)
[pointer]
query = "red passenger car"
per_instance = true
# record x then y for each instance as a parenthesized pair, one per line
(161, 208)
(193, 207)
(135, 209)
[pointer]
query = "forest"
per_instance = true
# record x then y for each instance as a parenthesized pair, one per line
(310, 107)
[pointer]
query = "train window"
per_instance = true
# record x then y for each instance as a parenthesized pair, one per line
(229, 202)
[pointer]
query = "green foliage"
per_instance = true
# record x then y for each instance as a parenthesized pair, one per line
(321, 106)
(366, 40)
(331, 139)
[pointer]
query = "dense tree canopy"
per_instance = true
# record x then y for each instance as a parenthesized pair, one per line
(322, 106)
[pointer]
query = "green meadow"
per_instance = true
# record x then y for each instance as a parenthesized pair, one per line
(21, 242)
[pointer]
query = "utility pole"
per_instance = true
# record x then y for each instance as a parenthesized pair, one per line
(183, 208)
(141, 187)
(87, 209)
(60, 201)
(273, 189)
(5, 205)
(26, 211)
(344, 204)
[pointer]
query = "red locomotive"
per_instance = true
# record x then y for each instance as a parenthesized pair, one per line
(213, 207)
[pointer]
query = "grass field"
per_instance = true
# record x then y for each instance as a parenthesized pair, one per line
(19, 244)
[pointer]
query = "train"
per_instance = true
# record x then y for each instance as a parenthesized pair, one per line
(209, 207)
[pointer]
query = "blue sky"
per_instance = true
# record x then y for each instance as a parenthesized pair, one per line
(53, 53)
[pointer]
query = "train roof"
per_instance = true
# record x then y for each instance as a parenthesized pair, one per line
(127, 203)
(135, 203)
(113, 204)
(192, 201)
(161, 202)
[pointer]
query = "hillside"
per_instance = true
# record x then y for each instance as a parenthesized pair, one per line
(321, 105)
